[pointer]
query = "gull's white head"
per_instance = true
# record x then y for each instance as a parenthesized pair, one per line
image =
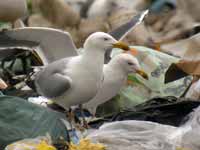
(100, 41)
(128, 64)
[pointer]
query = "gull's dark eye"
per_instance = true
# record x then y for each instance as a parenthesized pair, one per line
(105, 39)
(130, 63)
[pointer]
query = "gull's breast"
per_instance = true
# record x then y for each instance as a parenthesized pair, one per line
(84, 87)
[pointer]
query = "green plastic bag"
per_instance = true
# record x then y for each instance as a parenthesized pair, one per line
(155, 64)
(20, 119)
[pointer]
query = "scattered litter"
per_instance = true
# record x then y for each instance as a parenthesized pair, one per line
(86, 144)
(40, 101)
(19, 10)
(155, 64)
(39, 143)
(159, 114)
(140, 135)
(21, 120)
(194, 91)
(144, 135)
(3, 85)
(164, 110)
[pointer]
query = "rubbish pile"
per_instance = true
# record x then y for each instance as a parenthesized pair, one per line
(52, 66)
(146, 135)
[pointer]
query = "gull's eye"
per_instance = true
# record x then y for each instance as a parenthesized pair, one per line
(105, 39)
(130, 63)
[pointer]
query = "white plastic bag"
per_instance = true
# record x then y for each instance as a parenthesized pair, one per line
(191, 138)
(144, 135)
(134, 135)
(194, 91)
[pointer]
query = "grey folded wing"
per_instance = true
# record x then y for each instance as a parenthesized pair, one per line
(50, 44)
(51, 82)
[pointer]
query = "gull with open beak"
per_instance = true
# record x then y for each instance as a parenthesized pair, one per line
(115, 76)
(75, 80)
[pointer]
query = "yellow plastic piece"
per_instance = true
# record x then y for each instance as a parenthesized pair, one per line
(85, 144)
(44, 146)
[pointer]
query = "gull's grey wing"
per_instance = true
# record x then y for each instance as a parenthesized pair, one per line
(10, 46)
(120, 32)
(51, 82)
(50, 44)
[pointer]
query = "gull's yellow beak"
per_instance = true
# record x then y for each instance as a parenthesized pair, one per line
(121, 45)
(125, 47)
(142, 74)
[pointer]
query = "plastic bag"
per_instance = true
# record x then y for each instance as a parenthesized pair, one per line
(21, 120)
(138, 135)
(191, 137)
(194, 91)
(155, 64)
(144, 135)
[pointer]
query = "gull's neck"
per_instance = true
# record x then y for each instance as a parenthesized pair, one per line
(117, 67)
(93, 58)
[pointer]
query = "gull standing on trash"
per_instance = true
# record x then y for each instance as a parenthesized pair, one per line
(75, 80)
(52, 45)
(115, 76)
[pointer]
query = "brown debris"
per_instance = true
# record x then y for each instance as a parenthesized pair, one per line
(190, 67)
(190, 7)
(88, 26)
(59, 13)
(37, 20)
(181, 69)
(3, 84)
(17, 9)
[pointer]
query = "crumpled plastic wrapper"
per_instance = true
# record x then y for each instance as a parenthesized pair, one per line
(39, 143)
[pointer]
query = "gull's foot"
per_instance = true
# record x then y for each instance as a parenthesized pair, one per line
(84, 122)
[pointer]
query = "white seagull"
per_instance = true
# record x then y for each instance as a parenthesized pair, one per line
(75, 80)
(115, 76)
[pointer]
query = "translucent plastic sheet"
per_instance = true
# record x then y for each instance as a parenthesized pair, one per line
(143, 135)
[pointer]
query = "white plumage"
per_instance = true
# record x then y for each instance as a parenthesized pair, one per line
(115, 77)
(75, 80)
